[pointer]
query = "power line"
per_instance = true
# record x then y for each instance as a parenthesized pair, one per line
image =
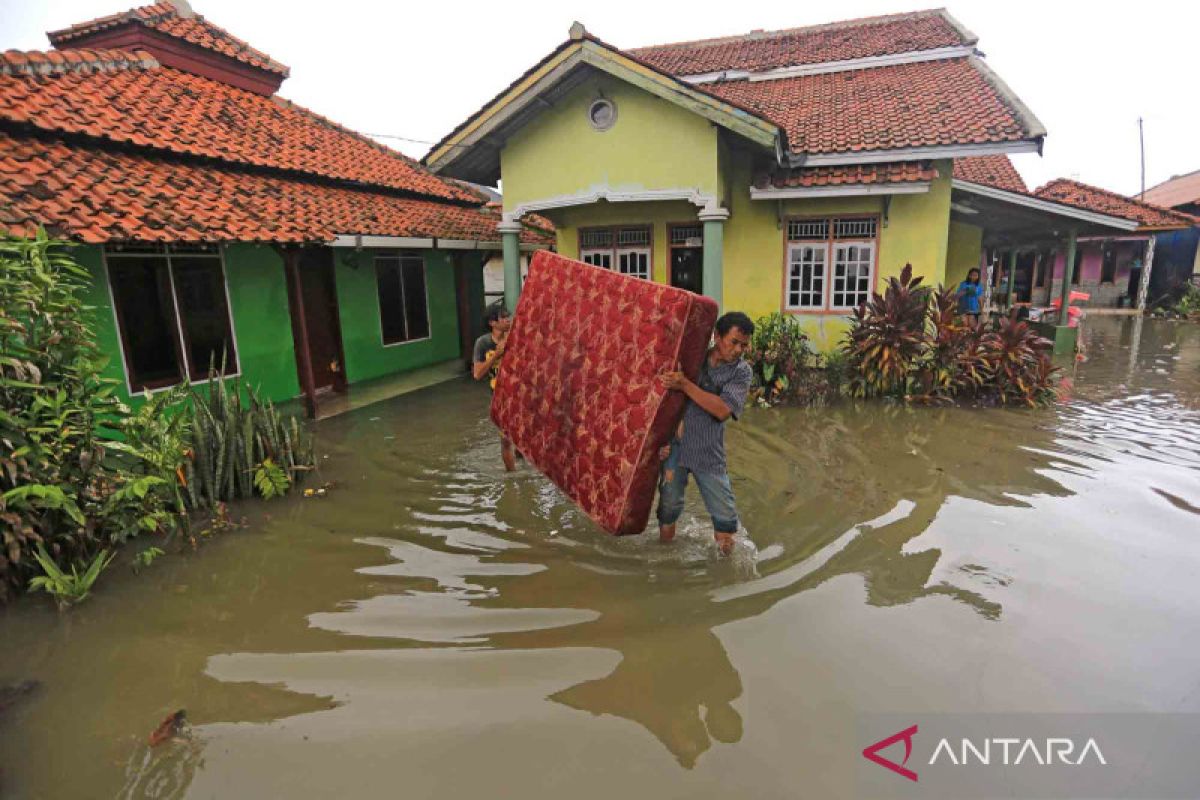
(408, 139)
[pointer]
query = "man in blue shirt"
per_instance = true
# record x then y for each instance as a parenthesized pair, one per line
(699, 445)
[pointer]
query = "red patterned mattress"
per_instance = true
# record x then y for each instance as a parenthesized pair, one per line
(578, 392)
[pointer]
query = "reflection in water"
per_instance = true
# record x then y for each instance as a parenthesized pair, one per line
(438, 618)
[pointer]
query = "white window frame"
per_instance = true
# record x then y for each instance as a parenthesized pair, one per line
(796, 276)
(830, 236)
(837, 262)
(165, 252)
(618, 257)
(400, 257)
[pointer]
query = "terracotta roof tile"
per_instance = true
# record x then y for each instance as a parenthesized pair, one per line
(927, 104)
(1178, 191)
(896, 172)
(1094, 198)
(995, 171)
(167, 18)
(103, 194)
(178, 112)
(763, 50)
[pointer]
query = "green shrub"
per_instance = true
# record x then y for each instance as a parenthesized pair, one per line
(780, 357)
(63, 486)
(67, 588)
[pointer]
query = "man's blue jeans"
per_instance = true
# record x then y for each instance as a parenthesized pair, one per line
(714, 490)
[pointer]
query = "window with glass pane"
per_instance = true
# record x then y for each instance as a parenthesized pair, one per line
(806, 276)
(598, 258)
(172, 314)
(403, 304)
(204, 315)
(627, 249)
(634, 262)
(852, 265)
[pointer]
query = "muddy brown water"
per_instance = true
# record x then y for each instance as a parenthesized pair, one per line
(434, 627)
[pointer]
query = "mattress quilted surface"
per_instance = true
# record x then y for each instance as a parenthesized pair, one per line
(578, 392)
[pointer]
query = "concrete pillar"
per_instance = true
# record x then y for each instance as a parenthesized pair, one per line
(1068, 268)
(714, 218)
(1144, 283)
(510, 236)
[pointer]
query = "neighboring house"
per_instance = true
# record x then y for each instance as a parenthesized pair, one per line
(1181, 193)
(219, 220)
(1112, 269)
(789, 171)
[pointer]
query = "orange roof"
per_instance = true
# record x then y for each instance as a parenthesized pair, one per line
(995, 171)
(100, 194)
(1178, 191)
(814, 44)
(166, 109)
(926, 104)
(1093, 198)
(175, 20)
(858, 174)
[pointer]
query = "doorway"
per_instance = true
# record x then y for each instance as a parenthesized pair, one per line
(687, 257)
(316, 324)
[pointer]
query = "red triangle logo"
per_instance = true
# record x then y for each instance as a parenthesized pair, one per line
(872, 752)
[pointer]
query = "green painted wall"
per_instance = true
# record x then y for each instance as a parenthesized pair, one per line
(654, 144)
(963, 251)
(362, 334)
(262, 322)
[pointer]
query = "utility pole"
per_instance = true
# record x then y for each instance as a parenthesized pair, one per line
(1142, 147)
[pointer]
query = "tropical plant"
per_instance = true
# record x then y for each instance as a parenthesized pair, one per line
(779, 356)
(1019, 363)
(241, 444)
(887, 336)
(951, 365)
(67, 588)
(61, 484)
(146, 557)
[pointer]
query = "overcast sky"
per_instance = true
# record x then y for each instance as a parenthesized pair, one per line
(416, 69)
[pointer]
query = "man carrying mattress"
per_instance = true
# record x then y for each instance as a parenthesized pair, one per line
(489, 349)
(698, 448)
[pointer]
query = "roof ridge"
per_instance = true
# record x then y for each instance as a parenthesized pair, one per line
(57, 62)
(164, 11)
(857, 22)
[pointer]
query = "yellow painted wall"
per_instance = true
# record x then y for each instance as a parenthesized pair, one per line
(917, 233)
(654, 144)
(963, 252)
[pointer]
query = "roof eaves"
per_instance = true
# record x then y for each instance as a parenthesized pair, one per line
(1031, 200)
(1036, 130)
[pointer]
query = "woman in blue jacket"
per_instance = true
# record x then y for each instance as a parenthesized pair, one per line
(970, 294)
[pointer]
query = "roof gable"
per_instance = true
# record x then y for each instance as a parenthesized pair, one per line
(471, 151)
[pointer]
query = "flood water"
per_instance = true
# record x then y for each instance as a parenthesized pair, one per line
(434, 627)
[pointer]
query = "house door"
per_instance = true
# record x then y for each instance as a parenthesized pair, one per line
(687, 268)
(316, 325)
